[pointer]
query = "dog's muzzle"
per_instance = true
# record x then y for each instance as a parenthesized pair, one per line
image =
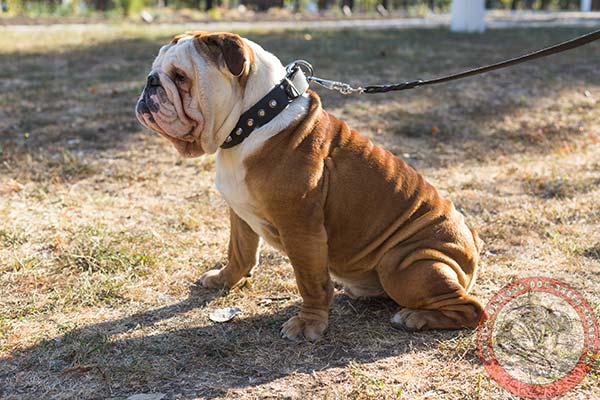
(146, 105)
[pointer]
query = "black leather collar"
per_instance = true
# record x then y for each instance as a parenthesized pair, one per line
(290, 88)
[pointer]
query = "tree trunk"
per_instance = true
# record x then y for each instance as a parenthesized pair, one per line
(431, 5)
(209, 5)
(101, 5)
(514, 4)
(595, 4)
(544, 4)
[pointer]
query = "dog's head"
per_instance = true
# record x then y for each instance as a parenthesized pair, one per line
(194, 90)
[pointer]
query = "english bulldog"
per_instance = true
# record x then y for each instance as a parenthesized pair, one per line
(340, 207)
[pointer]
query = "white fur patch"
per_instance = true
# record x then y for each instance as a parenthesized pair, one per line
(231, 173)
(397, 320)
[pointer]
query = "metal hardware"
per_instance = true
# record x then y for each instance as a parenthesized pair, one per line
(343, 88)
(292, 67)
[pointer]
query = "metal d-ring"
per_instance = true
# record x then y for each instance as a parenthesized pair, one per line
(309, 71)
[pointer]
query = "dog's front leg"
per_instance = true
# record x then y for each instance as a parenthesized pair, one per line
(241, 258)
(306, 247)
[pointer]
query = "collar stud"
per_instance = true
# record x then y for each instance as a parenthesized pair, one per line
(293, 85)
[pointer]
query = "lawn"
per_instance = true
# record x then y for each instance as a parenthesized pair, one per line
(104, 229)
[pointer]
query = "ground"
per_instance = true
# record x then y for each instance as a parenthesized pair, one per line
(105, 230)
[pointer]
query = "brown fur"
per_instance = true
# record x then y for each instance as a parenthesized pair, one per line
(335, 202)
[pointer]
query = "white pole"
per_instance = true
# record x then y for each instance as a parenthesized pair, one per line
(586, 5)
(468, 16)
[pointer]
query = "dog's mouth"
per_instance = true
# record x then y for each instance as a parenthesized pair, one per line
(156, 112)
(189, 137)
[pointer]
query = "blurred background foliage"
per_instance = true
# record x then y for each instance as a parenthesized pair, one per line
(217, 9)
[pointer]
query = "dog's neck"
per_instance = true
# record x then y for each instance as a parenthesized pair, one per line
(293, 113)
(266, 74)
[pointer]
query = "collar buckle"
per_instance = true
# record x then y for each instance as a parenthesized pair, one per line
(290, 89)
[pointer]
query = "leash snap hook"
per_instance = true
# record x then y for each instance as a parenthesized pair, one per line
(341, 87)
(309, 72)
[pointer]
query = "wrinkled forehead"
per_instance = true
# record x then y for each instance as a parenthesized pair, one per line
(175, 55)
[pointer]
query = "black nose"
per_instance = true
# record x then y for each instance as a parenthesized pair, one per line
(142, 108)
(153, 79)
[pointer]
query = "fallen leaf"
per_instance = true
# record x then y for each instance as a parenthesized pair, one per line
(15, 186)
(224, 314)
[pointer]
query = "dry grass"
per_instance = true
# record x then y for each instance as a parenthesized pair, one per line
(104, 230)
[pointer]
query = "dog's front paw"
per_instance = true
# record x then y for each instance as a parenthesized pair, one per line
(212, 279)
(297, 328)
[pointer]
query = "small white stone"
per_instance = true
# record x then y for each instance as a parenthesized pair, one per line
(272, 103)
(228, 139)
(261, 113)
(250, 122)
(238, 131)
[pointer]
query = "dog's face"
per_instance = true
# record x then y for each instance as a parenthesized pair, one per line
(195, 83)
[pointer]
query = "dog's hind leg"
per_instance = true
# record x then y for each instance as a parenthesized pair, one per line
(432, 296)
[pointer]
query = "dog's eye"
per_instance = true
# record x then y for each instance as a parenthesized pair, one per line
(179, 78)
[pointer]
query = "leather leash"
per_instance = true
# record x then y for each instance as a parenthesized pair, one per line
(345, 88)
(295, 83)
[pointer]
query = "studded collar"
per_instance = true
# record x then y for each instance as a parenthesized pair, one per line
(266, 109)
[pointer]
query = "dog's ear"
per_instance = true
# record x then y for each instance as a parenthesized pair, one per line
(228, 47)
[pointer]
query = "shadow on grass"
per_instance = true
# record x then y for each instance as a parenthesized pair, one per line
(125, 356)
